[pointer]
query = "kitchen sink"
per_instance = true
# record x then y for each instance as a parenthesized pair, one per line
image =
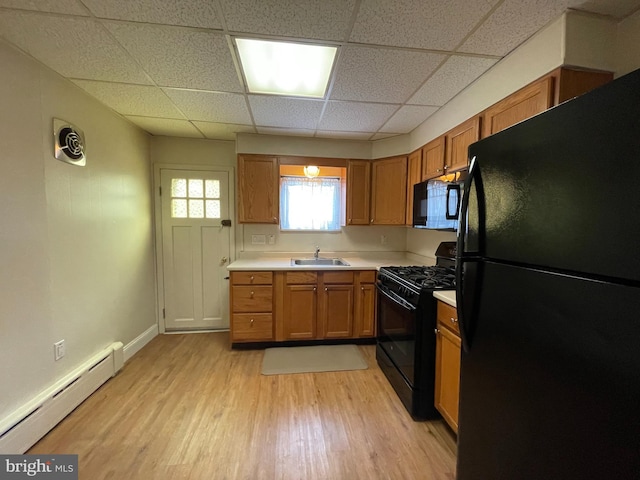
(319, 261)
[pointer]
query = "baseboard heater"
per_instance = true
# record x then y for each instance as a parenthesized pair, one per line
(22, 429)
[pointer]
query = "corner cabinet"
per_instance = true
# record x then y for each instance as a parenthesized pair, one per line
(364, 312)
(414, 175)
(358, 192)
(448, 350)
(258, 189)
(389, 191)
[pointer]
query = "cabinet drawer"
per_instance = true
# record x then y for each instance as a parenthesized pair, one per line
(252, 299)
(338, 277)
(301, 277)
(448, 317)
(251, 326)
(251, 278)
(368, 276)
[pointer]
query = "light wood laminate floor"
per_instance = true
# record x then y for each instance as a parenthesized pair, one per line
(188, 407)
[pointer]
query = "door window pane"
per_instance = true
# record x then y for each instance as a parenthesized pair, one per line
(179, 208)
(212, 188)
(196, 208)
(195, 188)
(213, 208)
(178, 187)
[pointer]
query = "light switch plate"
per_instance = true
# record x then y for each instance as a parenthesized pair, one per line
(258, 239)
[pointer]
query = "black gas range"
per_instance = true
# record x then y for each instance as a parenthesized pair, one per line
(406, 323)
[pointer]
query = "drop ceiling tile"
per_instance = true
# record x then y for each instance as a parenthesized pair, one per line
(180, 57)
(426, 24)
(72, 7)
(615, 8)
(408, 118)
(166, 127)
(511, 24)
(72, 46)
(211, 106)
(222, 131)
(355, 117)
(344, 135)
(382, 75)
(142, 100)
(193, 13)
(274, 111)
(292, 132)
(450, 79)
(326, 19)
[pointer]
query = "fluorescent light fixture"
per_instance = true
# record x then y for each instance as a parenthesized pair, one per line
(282, 68)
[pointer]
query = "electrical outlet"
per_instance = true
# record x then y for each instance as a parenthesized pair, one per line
(383, 239)
(58, 350)
(272, 239)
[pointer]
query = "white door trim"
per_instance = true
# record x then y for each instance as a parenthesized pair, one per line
(157, 210)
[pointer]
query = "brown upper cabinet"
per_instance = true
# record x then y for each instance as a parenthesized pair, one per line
(554, 88)
(258, 189)
(457, 144)
(414, 175)
(389, 191)
(433, 159)
(358, 192)
(524, 103)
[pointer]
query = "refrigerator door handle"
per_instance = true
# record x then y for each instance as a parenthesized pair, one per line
(466, 267)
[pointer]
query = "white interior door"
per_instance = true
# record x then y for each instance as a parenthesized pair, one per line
(195, 248)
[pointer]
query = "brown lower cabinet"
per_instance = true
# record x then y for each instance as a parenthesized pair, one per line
(448, 349)
(302, 305)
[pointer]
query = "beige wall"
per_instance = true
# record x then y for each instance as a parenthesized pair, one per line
(628, 45)
(76, 249)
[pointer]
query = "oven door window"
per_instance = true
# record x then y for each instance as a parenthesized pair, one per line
(397, 333)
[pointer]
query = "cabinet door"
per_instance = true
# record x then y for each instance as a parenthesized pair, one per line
(251, 327)
(337, 311)
(433, 159)
(358, 192)
(414, 175)
(457, 144)
(524, 103)
(447, 391)
(365, 311)
(258, 189)
(299, 312)
(389, 191)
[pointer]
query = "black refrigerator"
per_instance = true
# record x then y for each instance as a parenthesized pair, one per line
(548, 294)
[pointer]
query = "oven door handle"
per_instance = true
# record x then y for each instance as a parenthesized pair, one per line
(397, 300)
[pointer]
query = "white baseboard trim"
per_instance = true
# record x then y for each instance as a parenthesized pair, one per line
(32, 421)
(29, 423)
(135, 345)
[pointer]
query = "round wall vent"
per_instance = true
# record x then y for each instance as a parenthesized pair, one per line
(69, 143)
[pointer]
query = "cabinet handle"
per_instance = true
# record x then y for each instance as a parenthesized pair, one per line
(326, 289)
(438, 170)
(315, 289)
(275, 219)
(446, 166)
(453, 320)
(350, 220)
(371, 221)
(251, 278)
(251, 295)
(436, 331)
(362, 288)
(251, 323)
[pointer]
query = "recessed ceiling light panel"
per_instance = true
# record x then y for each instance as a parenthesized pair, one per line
(282, 68)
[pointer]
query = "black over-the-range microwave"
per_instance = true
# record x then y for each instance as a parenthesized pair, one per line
(436, 202)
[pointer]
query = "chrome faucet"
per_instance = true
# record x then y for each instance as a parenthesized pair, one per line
(315, 254)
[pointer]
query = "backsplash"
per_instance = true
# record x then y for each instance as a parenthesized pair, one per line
(425, 242)
(349, 239)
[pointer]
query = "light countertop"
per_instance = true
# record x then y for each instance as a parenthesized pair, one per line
(356, 261)
(447, 296)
